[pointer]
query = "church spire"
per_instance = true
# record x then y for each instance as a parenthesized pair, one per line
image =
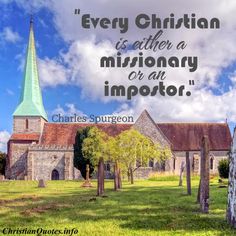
(31, 103)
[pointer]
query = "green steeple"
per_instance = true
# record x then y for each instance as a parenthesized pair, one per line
(31, 103)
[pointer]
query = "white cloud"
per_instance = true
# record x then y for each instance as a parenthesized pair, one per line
(215, 50)
(68, 110)
(4, 137)
(52, 72)
(8, 35)
(80, 64)
(31, 6)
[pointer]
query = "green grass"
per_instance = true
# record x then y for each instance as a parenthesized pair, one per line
(149, 207)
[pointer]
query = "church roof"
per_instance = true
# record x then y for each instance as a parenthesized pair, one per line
(188, 136)
(31, 103)
(25, 137)
(64, 134)
(182, 136)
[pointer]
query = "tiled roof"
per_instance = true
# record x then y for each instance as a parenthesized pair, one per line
(64, 134)
(187, 136)
(182, 136)
(25, 137)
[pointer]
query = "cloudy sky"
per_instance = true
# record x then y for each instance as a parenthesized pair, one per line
(68, 59)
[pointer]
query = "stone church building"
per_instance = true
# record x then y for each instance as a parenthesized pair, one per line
(38, 149)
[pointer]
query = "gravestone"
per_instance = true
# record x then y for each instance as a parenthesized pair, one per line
(181, 173)
(87, 183)
(204, 181)
(188, 174)
(231, 209)
(42, 183)
(2, 177)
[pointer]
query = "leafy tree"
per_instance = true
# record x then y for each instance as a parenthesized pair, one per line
(2, 163)
(95, 149)
(223, 168)
(80, 161)
(137, 148)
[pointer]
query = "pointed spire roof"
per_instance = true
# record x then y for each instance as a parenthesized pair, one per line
(31, 103)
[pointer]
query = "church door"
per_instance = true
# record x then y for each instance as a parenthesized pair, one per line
(55, 175)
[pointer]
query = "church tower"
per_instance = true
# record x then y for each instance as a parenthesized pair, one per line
(30, 114)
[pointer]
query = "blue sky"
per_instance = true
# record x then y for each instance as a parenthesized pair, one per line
(49, 43)
(67, 58)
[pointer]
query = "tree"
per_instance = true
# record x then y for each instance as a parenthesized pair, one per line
(114, 156)
(2, 163)
(80, 161)
(223, 168)
(94, 148)
(137, 148)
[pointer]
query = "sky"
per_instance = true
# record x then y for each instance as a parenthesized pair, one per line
(68, 60)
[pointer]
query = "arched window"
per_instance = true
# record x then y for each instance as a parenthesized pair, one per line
(107, 167)
(151, 163)
(211, 163)
(26, 124)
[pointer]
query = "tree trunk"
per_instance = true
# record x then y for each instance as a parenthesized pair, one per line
(198, 193)
(103, 175)
(128, 175)
(116, 177)
(99, 180)
(231, 210)
(100, 187)
(131, 175)
(204, 182)
(181, 173)
(119, 179)
(188, 174)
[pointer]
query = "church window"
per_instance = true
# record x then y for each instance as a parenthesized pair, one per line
(27, 124)
(211, 162)
(107, 167)
(151, 163)
(173, 163)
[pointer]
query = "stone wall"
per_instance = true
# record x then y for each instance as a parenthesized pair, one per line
(143, 172)
(146, 126)
(16, 162)
(44, 159)
(35, 124)
(195, 161)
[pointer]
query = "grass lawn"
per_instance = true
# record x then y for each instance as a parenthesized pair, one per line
(149, 207)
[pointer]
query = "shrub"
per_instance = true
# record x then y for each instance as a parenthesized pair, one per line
(2, 163)
(223, 168)
(80, 161)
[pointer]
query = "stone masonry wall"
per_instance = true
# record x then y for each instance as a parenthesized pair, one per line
(146, 126)
(195, 161)
(16, 168)
(43, 160)
(35, 124)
